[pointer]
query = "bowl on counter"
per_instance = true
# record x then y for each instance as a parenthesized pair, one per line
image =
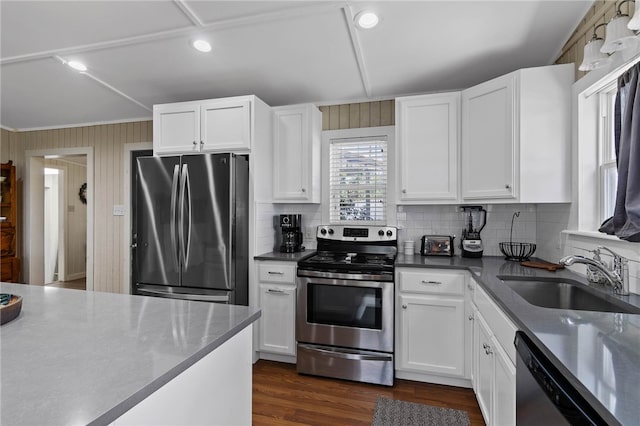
(10, 306)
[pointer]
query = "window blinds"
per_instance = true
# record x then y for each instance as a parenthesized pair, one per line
(358, 180)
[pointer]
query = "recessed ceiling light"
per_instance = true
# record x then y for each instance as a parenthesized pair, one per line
(367, 19)
(201, 45)
(78, 66)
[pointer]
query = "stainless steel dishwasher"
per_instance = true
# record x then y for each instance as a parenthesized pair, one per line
(543, 395)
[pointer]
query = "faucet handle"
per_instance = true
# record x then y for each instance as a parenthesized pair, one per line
(613, 253)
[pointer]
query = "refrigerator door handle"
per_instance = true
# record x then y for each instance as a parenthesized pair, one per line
(183, 188)
(187, 243)
(174, 196)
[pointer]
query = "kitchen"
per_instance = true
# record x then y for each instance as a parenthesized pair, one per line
(107, 245)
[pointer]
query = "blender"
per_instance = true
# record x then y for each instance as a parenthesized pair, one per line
(474, 219)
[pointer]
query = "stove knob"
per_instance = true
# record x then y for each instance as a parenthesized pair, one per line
(381, 233)
(389, 233)
(330, 231)
(323, 231)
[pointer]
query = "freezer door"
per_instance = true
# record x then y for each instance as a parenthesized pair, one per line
(156, 253)
(205, 225)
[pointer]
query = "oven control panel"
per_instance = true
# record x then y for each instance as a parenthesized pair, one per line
(370, 233)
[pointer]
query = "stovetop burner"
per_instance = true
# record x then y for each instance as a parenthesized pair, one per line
(362, 250)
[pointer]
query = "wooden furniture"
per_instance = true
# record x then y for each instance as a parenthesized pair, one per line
(10, 264)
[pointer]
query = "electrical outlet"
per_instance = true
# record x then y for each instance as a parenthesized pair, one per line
(118, 210)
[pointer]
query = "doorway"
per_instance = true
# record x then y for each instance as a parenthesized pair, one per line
(65, 221)
(58, 218)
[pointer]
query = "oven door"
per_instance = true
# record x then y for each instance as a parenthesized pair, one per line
(347, 313)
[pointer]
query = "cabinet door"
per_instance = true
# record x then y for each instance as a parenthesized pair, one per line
(504, 389)
(431, 335)
(468, 340)
(296, 159)
(427, 128)
(484, 370)
(489, 137)
(225, 125)
(176, 128)
(277, 323)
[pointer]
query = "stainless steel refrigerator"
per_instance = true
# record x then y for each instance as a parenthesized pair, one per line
(190, 233)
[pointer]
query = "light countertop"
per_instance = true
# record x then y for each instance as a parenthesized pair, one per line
(81, 357)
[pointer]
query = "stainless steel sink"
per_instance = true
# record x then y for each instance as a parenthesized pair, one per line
(565, 295)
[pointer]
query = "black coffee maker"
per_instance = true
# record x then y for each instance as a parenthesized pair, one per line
(291, 226)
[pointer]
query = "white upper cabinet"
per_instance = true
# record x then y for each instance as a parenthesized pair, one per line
(516, 137)
(176, 128)
(216, 125)
(225, 124)
(427, 140)
(296, 154)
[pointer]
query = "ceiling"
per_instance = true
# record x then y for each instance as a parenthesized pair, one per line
(285, 52)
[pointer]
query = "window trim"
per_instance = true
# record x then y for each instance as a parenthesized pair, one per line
(387, 132)
(606, 124)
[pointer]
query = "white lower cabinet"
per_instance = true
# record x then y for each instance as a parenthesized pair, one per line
(278, 304)
(483, 376)
(494, 371)
(431, 335)
(450, 331)
(430, 325)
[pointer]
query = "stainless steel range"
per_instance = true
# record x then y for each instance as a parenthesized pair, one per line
(344, 320)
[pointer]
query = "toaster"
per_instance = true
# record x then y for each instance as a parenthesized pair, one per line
(437, 245)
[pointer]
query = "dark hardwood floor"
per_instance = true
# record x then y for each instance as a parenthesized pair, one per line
(283, 397)
(79, 284)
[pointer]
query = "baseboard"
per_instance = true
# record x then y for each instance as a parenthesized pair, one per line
(289, 359)
(76, 276)
(430, 378)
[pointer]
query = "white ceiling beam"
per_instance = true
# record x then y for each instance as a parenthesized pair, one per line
(357, 49)
(105, 84)
(160, 35)
(190, 14)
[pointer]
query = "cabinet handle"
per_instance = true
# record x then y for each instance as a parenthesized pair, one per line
(470, 317)
(507, 186)
(488, 350)
(275, 273)
(404, 191)
(195, 143)
(304, 190)
(431, 282)
(484, 346)
(470, 287)
(272, 291)
(404, 306)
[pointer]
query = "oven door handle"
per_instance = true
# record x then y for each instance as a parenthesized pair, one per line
(346, 355)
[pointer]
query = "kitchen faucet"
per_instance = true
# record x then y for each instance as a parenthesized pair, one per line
(618, 276)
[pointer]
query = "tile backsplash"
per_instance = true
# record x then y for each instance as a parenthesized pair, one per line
(420, 220)
(449, 220)
(267, 224)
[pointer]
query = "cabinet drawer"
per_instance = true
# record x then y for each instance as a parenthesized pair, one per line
(503, 329)
(432, 282)
(277, 273)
